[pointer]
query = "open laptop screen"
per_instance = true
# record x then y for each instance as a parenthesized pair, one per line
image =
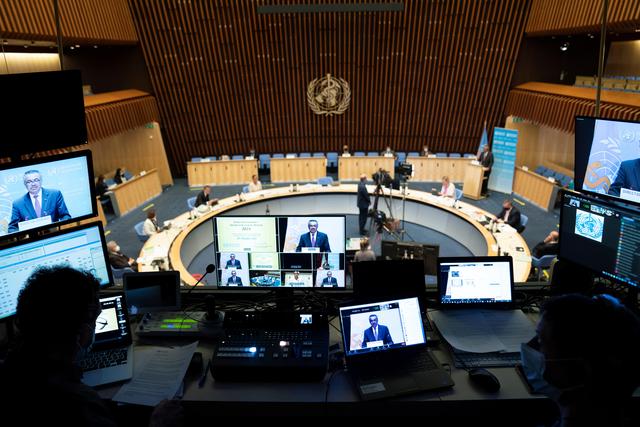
(475, 281)
(381, 326)
(112, 325)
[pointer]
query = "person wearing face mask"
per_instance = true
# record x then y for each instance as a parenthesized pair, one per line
(56, 321)
(119, 260)
(590, 381)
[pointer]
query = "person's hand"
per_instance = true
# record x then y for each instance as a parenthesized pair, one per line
(167, 413)
(131, 261)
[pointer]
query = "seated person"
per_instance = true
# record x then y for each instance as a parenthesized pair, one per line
(388, 152)
(119, 260)
(234, 280)
(628, 177)
(232, 262)
(365, 253)
(509, 215)
(345, 151)
(151, 226)
(252, 154)
(329, 280)
(296, 281)
(549, 246)
(448, 189)
(314, 238)
(203, 197)
(425, 151)
(591, 384)
(102, 188)
(255, 185)
(37, 202)
(119, 176)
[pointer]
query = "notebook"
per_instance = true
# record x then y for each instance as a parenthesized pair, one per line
(111, 358)
(385, 349)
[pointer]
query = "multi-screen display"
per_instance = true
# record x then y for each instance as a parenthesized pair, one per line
(270, 251)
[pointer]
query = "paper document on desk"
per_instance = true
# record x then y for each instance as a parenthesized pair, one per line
(484, 331)
(157, 376)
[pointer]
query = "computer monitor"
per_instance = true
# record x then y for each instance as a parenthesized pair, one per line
(602, 236)
(607, 157)
(152, 291)
(478, 281)
(390, 278)
(46, 192)
(45, 110)
(280, 251)
(392, 249)
(82, 247)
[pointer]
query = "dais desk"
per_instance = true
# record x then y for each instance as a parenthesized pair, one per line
(220, 172)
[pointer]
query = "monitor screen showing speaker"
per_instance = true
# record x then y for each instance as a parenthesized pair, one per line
(46, 192)
(280, 251)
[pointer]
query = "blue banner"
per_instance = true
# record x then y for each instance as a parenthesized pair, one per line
(484, 140)
(504, 159)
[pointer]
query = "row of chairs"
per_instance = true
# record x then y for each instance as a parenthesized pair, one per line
(622, 83)
(563, 179)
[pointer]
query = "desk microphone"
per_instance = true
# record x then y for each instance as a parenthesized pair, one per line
(210, 269)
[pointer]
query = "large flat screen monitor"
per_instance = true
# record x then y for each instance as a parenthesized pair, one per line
(81, 247)
(280, 251)
(45, 192)
(607, 158)
(602, 236)
(45, 109)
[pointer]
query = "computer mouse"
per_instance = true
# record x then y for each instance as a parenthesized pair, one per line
(484, 379)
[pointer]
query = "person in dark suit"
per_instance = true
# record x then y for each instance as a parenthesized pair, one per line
(234, 280)
(203, 197)
(232, 262)
(628, 177)
(510, 215)
(363, 204)
(376, 332)
(549, 246)
(119, 177)
(314, 238)
(38, 202)
(329, 280)
(102, 188)
(119, 260)
(486, 160)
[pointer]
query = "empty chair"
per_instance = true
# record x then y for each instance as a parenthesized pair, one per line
(523, 222)
(332, 159)
(264, 160)
(141, 236)
(278, 156)
(458, 194)
(237, 157)
(128, 175)
(245, 189)
(441, 154)
(119, 272)
(565, 181)
(542, 263)
(469, 155)
(372, 153)
(540, 170)
(325, 180)
(455, 155)
(413, 154)
(196, 159)
(316, 154)
(210, 159)
(191, 203)
(548, 173)
(359, 154)
(305, 154)
(400, 158)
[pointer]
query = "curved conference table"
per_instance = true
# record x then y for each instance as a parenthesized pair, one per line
(187, 237)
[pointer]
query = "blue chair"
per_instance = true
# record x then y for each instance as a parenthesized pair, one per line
(540, 170)
(470, 156)
(245, 189)
(210, 159)
(191, 203)
(305, 155)
(141, 236)
(441, 154)
(325, 180)
(119, 272)
(196, 159)
(265, 161)
(455, 155)
(109, 182)
(317, 154)
(278, 156)
(458, 194)
(565, 181)
(547, 173)
(413, 154)
(542, 263)
(128, 175)
(400, 158)
(237, 157)
(332, 159)
(372, 153)
(359, 154)
(523, 222)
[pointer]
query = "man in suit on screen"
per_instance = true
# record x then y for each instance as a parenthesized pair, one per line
(232, 262)
(314, 238)
(628, 177)
(37, 203)
(329, 280)
(376, 332)
(234, 280)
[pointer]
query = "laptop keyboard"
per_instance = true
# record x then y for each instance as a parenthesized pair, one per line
(485, 360)
(418, 362)
(104, 359)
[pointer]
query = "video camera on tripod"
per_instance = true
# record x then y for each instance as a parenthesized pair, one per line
(382, 177)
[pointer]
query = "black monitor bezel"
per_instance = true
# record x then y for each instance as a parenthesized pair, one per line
(39, 160)
(150, 274)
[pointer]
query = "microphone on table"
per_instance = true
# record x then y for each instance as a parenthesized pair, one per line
(210, 269)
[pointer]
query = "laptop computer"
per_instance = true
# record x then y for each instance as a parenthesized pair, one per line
(385, 349)
(111, 358)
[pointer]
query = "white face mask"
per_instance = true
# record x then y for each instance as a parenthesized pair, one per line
(117, 248)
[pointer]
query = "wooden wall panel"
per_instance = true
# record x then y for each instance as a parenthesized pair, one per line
(227, 78)
(553, 17)
(82, 21)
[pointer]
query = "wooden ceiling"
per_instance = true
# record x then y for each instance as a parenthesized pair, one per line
(227, 78)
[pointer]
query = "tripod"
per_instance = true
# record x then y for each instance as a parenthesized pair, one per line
(401, 230)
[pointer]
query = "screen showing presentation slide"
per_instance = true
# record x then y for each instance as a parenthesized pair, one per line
(602, 236)
(82, 248)
(608, 157)
(50, 191)
(280, 251)
(475, 281)
(381, 326)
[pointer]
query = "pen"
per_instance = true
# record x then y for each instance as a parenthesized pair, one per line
(203, 378)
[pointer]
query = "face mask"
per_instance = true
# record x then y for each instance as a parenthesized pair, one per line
(117, 248)
(533, 364)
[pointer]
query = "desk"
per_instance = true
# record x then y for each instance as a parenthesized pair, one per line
(298, 169)
(130, 194)
(350, 168)
(535, 188)
(220, 172)
(187, 237)
(432, 169)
